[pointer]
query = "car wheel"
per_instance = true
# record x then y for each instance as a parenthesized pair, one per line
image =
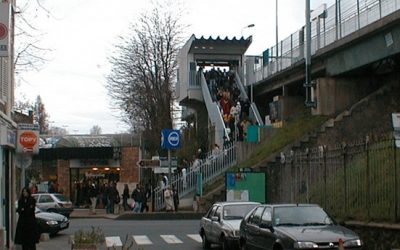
(224, 243)
(206, 244)
(243, 245)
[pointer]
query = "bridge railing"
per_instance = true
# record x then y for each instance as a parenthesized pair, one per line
(334, 23)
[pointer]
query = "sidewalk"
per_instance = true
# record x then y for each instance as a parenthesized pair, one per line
(129, 215)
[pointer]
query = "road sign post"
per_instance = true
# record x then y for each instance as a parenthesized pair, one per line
(170, 139)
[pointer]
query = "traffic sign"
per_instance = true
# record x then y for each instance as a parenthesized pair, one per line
(170, 139)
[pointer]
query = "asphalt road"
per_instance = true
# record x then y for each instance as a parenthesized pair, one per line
(145, 235)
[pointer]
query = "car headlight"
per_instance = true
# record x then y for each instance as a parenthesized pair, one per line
(51, 222)
(353, 243)
(304, 244)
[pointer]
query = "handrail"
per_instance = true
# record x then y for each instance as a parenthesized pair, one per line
(214, 113)
(253, 108)
(211, 168)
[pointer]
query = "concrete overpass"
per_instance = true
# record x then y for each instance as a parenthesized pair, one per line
(352, 54)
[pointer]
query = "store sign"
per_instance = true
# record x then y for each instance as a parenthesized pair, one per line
(7, 137)
(4, 28)
(28, 138)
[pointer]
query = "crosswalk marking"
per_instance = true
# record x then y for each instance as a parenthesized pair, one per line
(171, 239)
(195, 237)
(142, 240)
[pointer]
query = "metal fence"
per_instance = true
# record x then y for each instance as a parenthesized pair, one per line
(355, 181)
(338, 21)
(210, 168)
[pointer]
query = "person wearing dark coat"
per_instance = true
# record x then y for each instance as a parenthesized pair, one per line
(27, 233)
(125, 196)
(112, 195)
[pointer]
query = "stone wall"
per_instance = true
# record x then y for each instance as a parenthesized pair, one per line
(377, 236)
(63, 183)
(129, 169)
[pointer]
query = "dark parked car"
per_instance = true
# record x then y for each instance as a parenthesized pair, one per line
(51, 223)
(221, 223)
(53, 202)
(294, 226)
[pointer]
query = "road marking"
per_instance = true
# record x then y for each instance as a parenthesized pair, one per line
(113, 241)
(171, 239)
(195, 237)
(142, 240)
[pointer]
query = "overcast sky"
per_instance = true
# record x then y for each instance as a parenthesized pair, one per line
(82, 33)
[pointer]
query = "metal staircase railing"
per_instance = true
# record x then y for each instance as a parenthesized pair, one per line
(211, 168)
(214, 113)
(254, 114)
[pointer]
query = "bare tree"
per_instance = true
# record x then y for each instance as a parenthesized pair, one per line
(29, 52)
(144, 71)
(95, 130)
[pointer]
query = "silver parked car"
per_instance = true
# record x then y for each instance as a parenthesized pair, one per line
(220, 225)
(53, 202)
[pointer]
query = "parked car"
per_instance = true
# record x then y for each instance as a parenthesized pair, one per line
(294, 226)
(53, 202)
(50, 223)
(220, 225)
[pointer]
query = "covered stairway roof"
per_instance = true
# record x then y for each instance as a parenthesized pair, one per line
(210, 45)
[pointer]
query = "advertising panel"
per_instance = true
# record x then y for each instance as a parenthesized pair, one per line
(28, 138)
(246, 186)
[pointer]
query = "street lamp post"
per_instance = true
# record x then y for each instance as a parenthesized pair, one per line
(251, 86)
(308, 84)
(276, 35)
(248, 26)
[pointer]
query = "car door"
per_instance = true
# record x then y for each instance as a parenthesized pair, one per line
(266, 237)
(216, 225)
(253, 230)
(207, 223)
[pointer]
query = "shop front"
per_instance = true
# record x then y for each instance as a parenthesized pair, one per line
(97, 172)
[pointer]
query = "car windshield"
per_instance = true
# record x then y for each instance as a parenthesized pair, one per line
(236, 211)
(60, 197)
(300, 216)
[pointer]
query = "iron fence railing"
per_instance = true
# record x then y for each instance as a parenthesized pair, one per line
(210, 168)
(359, 180)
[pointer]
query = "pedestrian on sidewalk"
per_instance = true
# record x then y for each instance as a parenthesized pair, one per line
(169, 199)
(175, 195)
(125, 196)
(112, 197)
(137, 196)
(93, 191)
(27, 233)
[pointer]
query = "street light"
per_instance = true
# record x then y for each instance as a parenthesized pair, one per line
(248, 26)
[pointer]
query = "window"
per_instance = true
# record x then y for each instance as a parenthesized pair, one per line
(218, 212)
(211, 212)
(267, 215)
(255, 218)
(45, 198)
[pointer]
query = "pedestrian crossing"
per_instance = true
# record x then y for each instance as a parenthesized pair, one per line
(142, 240)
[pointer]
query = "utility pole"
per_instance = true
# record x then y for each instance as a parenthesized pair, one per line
(308, 85)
